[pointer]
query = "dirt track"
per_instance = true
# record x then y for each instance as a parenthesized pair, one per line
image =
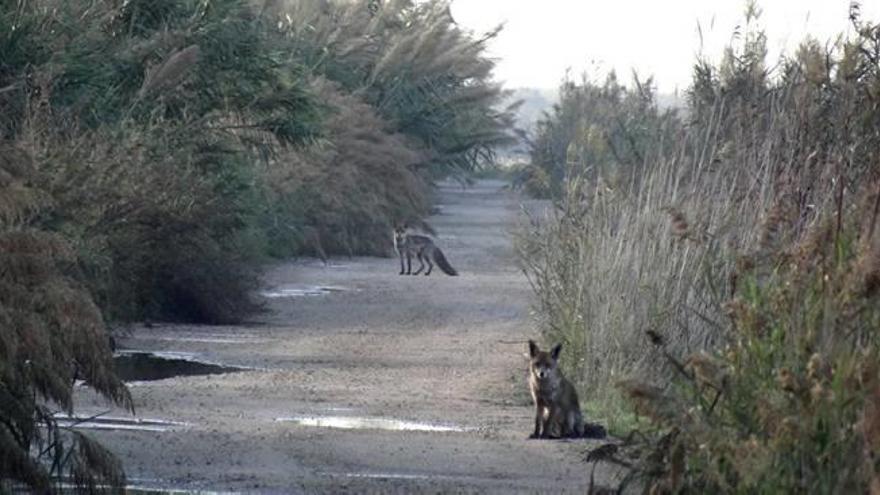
(441, 350)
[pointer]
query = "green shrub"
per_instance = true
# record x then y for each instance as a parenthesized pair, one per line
(606, 132)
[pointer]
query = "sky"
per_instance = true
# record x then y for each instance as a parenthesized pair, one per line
(543, 38)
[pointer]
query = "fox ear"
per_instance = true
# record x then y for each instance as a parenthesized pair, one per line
(533, 348)
(554, 353)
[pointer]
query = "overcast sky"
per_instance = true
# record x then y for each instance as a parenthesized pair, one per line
(542, 38)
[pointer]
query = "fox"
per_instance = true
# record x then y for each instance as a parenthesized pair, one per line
(557, 409)
(424, 249)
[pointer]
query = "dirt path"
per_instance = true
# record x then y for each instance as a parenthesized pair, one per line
(442, 352)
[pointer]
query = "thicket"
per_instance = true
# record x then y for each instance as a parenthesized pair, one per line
(727, 289)
(154, 153)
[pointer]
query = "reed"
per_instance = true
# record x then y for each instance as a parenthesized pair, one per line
(715, 269)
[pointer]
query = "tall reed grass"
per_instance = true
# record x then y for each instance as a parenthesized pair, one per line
(700, 282)
(425, 74)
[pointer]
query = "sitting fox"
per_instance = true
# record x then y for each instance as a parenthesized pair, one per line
(425, 250)
(557, 410)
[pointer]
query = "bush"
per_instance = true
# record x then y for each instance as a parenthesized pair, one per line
(605, 132)
(147, 139)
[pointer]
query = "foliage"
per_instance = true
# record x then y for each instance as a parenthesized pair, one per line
(744, 249)
(792, 400)
(422, 72)
(352, 189)
(51, 333)
(606, 132)
(149, 117)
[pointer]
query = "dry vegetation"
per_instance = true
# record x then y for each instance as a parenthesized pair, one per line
(348, 191)
(154, 153)
(427, 76)
(51, 333)
(735, 249)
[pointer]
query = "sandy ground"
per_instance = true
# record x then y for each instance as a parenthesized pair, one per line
(439, 351)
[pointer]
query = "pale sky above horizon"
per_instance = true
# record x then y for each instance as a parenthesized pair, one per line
(541, 39)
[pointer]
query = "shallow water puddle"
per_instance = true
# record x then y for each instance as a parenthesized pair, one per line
(146, 489)
(137, 490)
(365, 423)
(116, 423)
(146, 366)
(391, 476)
(209, 339)
(302, 291)
(387, 475)
(316, 263)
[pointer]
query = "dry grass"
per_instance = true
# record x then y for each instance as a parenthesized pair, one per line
(425, 75)
(651, 249)
(610, 264)
(51, 333)
(727, 271)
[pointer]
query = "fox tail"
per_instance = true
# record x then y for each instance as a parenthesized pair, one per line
(443, 263)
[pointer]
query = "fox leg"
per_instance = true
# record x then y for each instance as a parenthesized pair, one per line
(546, 421)
(573, 425)
(421, 256)
(430, 265)
(539, 411)
(402, 268)
(578, 428)
(408, 262)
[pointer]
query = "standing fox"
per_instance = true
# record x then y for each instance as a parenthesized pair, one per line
(424, 249)
(557, 410)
